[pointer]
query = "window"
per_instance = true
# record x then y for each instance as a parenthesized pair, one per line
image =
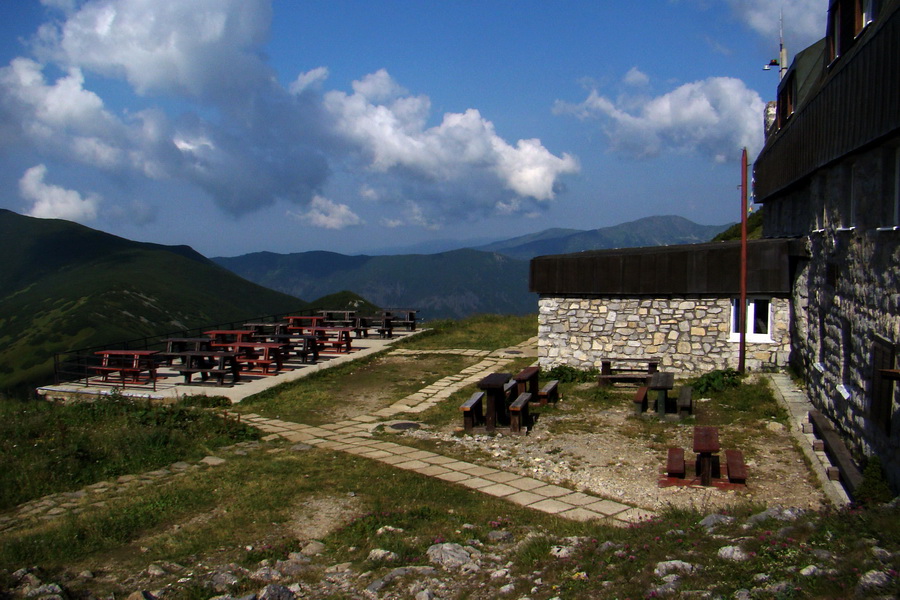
(786, 94)
(834, 31)
(846, 20)
(759, 320)
(884, 356)
(863, 15)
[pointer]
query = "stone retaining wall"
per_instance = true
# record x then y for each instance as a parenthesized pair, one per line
(689, 335)
(844, 297)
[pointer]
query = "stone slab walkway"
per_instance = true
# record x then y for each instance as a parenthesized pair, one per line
(354, 436)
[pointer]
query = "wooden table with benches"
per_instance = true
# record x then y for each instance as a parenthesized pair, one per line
(706, 444)
(627, 370)
(494, 387)
(128, 364)
(176, 346)
(215, 363)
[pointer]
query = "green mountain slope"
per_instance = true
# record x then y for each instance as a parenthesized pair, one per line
(445, 285)
(650, 231)
(64, 286)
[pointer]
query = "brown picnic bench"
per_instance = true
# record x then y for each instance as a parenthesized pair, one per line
(707, 467)
(627, 369)
(505, 400)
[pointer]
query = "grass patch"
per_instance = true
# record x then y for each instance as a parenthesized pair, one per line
(364, 386)
(48, 448)
(481, 332)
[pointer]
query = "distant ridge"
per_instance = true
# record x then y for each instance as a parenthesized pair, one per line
(451, 284)
(649, 231)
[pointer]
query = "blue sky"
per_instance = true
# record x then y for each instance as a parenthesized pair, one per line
(237, 126)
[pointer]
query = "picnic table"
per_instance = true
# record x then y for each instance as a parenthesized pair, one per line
(301, 322)
(176, 346)
(337, 337)
(305, 346)
(265, 355)
(494, 386)
(661, 382)
(208, 362)
(338, 318)
(627, 369)
(706, 444)
(527, 381)
(267, 327)
(402, 316)
(129, 364)
(227, 337)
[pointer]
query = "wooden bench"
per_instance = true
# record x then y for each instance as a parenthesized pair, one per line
(549, 393)
(627, 370)
(737, 470)
(640, 400)
(264, 364)
(473, 411)
(685, 400)
(527, 380)
(107, 371)
(675, 463)
(188, 372)
(837, 451)
(519, 419)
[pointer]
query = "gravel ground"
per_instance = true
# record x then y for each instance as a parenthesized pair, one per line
(608, 454)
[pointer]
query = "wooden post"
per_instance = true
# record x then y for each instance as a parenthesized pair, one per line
(742, 351)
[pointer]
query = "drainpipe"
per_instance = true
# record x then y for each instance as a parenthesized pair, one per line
(742, 352)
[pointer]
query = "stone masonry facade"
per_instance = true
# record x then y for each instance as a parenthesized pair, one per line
(690, 335)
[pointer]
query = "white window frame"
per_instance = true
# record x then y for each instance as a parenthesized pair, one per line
(754, 338)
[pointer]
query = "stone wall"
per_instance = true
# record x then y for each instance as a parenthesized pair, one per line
(689, 335)
(846, 296)
(847, 293)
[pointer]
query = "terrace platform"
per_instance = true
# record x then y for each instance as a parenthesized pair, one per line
(170, 383)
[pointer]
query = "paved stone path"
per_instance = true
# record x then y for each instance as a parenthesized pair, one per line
(355, 436)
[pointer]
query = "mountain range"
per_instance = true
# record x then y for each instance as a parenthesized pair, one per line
(491, 278)
(65, 286)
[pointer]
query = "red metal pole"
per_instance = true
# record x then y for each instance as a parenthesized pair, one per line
(742, 352)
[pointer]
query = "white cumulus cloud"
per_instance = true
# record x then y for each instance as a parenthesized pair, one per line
(199, 48)
(55, 202)
(390, 128)
(715, 117)
(213, 116)
(329, 215)
(804, 20)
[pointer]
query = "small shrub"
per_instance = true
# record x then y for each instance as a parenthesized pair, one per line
(874, 488)
(568, 374)
(717, 381)
(204, 401)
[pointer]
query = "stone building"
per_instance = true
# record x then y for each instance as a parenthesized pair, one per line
(675, 303)
(825, 284)
(829, 175)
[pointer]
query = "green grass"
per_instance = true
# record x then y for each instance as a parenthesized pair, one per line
(482, 332)
(248, 509)
(361, 386)
(52, 448)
